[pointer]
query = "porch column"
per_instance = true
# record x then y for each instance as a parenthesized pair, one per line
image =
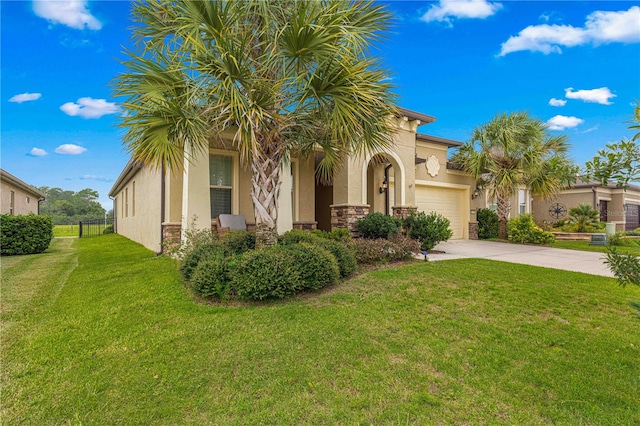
(284, 222)
(196, 204)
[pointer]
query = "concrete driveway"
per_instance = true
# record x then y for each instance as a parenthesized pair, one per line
(569, 260)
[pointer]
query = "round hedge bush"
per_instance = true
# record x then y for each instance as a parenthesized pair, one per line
(317, 266)
(25, 234)
(198, 253)
(378, 225)
(295, 236)
(270, 273)
(344, 256)
(211, 276)
(238, 242)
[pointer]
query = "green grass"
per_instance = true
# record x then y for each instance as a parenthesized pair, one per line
(116, 340)
(584, 246)
(65, 230)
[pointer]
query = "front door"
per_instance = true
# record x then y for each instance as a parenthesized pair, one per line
(604, 207)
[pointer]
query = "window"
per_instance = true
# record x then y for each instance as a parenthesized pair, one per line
(492, 204)
(12, 200)
(122, 200)
(28, 200)
(133, 199)
(126, 202)
(522, 201)
(220, 184)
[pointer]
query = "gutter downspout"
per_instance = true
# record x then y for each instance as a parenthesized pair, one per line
(114, 209)
(386, 193)
(162, 205)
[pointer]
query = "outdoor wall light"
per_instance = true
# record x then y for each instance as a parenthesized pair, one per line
(475, 194)
(383, 186)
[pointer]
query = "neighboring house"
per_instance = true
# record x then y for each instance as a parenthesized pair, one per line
(615, 204)
(152, 206)
(18, 197)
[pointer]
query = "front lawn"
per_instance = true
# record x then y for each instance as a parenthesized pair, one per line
(101, 331)
(584, 245)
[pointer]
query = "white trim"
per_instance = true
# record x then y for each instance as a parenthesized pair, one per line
(295, 163)
(443, 184)
(235, 172)
(403, 177)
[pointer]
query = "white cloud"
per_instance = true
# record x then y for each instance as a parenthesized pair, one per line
(72, 13)
(544, 38)
(37, 152)
(25, 97)
(598, 96)
(460, 9)
(600, 27)
(70, 149)
(89, 108)
(93, 177)
(592, 129)
(557, 102)
(609, 27)
(561, 122)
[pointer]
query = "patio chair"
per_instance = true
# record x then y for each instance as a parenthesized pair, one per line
(230, 222)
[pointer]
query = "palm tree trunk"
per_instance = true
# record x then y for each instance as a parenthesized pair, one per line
(504, 206)
(265, 183)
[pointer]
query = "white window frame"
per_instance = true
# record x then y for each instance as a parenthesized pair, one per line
(235, 178)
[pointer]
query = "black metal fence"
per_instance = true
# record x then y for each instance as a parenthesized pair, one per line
(94, 227)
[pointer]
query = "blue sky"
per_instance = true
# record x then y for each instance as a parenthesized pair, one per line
(572, 64)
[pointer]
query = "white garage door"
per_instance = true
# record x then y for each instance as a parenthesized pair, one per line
(451, 203)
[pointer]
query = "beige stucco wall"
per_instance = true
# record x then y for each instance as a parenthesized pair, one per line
(616, 199)
(138, 218)
(23, 201)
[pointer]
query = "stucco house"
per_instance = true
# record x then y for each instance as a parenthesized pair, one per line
(152, 206)
(615, 204)
(18, 197)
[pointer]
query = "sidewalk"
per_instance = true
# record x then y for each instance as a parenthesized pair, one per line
(549, 257)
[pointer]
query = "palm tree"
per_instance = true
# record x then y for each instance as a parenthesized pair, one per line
(514, 151)
(583, 216)
(284, 77)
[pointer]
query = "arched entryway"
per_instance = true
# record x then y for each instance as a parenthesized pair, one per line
(383, 182)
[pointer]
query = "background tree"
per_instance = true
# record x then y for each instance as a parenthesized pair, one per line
(284, 77)
(512, 152)
(618, 161)
(68, 207)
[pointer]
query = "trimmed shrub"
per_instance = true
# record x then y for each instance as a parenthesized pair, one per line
(378, 225)
(336, 234)
(108, 229)
(428, 229)
(295, 236)
(487, 224)
(270, 273)
(211, 278)
(523, 229)
(344, 256)
(618, 239)
(382, 250)
(27, 234)
(317, 267)
(238, 242)
(198, 253)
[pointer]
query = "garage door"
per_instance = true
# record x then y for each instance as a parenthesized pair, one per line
(451, 203)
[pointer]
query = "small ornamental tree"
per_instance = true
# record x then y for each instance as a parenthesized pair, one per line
(430, 229)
